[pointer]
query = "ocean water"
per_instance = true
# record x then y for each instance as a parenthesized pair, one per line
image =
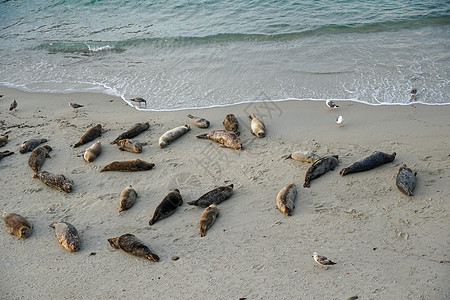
(181, 54)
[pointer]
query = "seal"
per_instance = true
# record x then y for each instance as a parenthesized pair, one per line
(131, 244)
(30, 145)
(57, 181)
(129, 145)
(303, 156)
(3, 140)
(67, 235)
(199, 122)
(5, 154)
(128, 166)
(320, 167)
(215, 196)
(167, 206)
(257, 126)
(38, 156)
(231, 123)
(286, 198)
(92, 152)
(406, 180)
(133, 131)
(13, 105)
(225, 138)
(368, 163)
(90, 135)
(127, 198)
(17, 225)
(172, 135)
(208, 218)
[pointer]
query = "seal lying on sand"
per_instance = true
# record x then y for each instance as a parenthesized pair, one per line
(90, 135)
(199, 122)
(303, 156)
(208, 218)
(67, 235)
(132, 131)
(225, 138)
(286, 198)
(128, 166)
(216, 196)
(3, 140)
(231, 123)
(131, 244)
(57, 181)
(38, 156)
(17, 225)
(92, 152)
(257, 126)
(172, 135)
(129, 145)
(406, 180)
(30, 145)
(127, 198)
(168, 206)
(368, 163)
(5, 153)
(320, 167)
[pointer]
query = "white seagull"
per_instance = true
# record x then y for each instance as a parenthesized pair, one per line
(331, 104)
(322, 260)
(340, 121)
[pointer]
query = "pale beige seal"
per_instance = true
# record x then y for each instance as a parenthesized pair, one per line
(127, 198)
(208, 218)
(286, 199)
(225, 138)
(17, 225)
(257, 126)
(303, 156)
(92, 152)
(67, 235)
(172, 135)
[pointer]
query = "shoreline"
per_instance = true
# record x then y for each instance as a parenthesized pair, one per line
(361, 221)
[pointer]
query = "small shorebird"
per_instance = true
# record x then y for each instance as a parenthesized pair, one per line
(413, 93)
(331, 104)
(13, 105)
(139, 100)
(75, 106)
(340, 121)
(322, 260)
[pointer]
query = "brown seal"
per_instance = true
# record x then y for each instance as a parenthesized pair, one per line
(38, 156)
(129, 145)
(67, 235)
(131, 244)
(216, 196)
(30, 145)
(167, 206)
(208, 218)
(5, 154)
(127, 198)
(3, 140)
(303, 156)
(320, 167)
(173, 134)
(231, 123)
(128, 166)
(17, 225)
(90, 135)
(57, 181)
(199, 122)
(368, 163)
(406, 180)
(92, 152)
(286, 198)
(257, 126)
(132, 131)
(225, 138)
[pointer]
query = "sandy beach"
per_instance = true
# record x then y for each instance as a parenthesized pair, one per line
(386, 245)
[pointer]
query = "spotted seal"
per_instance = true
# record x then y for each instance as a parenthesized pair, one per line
(3, 140)
(67, 235)
(92, 152)
(167, 206)
(127, 198)
(132, 245)
(90, 135)
(199, 122)
(133, 131)
(216, 196)
(368, 163)
(17, 225)
(286, 198)
(129, 145)
(406, 180)
(303, 156)
(257, 126)
(57, 181)
(173, 134)
(231, 123)
(29, 145)
(208, 218)
(128, 166)
(320, 167)
(225, 138)
(38, 156)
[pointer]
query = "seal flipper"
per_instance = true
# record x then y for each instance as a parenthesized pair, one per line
(202, 136)
(153, 257)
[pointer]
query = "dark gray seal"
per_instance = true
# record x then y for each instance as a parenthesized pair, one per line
(30, 145)
(17, 225)
(57, 181)
(406, 180)
(167, 206)
(320, 167)
(216, 196)
(199, 122)
(38, 156)
(131, 244)
(67, 235)
(368, 163)
(225, 138)
(128, 166)
(132, 132)
(90, 135)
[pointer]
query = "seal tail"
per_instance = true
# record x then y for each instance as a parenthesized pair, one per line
(202, 136)
(192, 203)
(78, 144)
(190, 116)
(344, 171)
(153, 257)
(251, 116)
(286, 156)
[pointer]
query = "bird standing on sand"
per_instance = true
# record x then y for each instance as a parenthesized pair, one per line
(139, 100)
(75, 106)
(13, 105)
(331, 104)
(322, 260)
(340, 121)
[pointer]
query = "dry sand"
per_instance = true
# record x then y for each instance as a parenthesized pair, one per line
(386, 245)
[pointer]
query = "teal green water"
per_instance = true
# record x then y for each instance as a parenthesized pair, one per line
(183, 54)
